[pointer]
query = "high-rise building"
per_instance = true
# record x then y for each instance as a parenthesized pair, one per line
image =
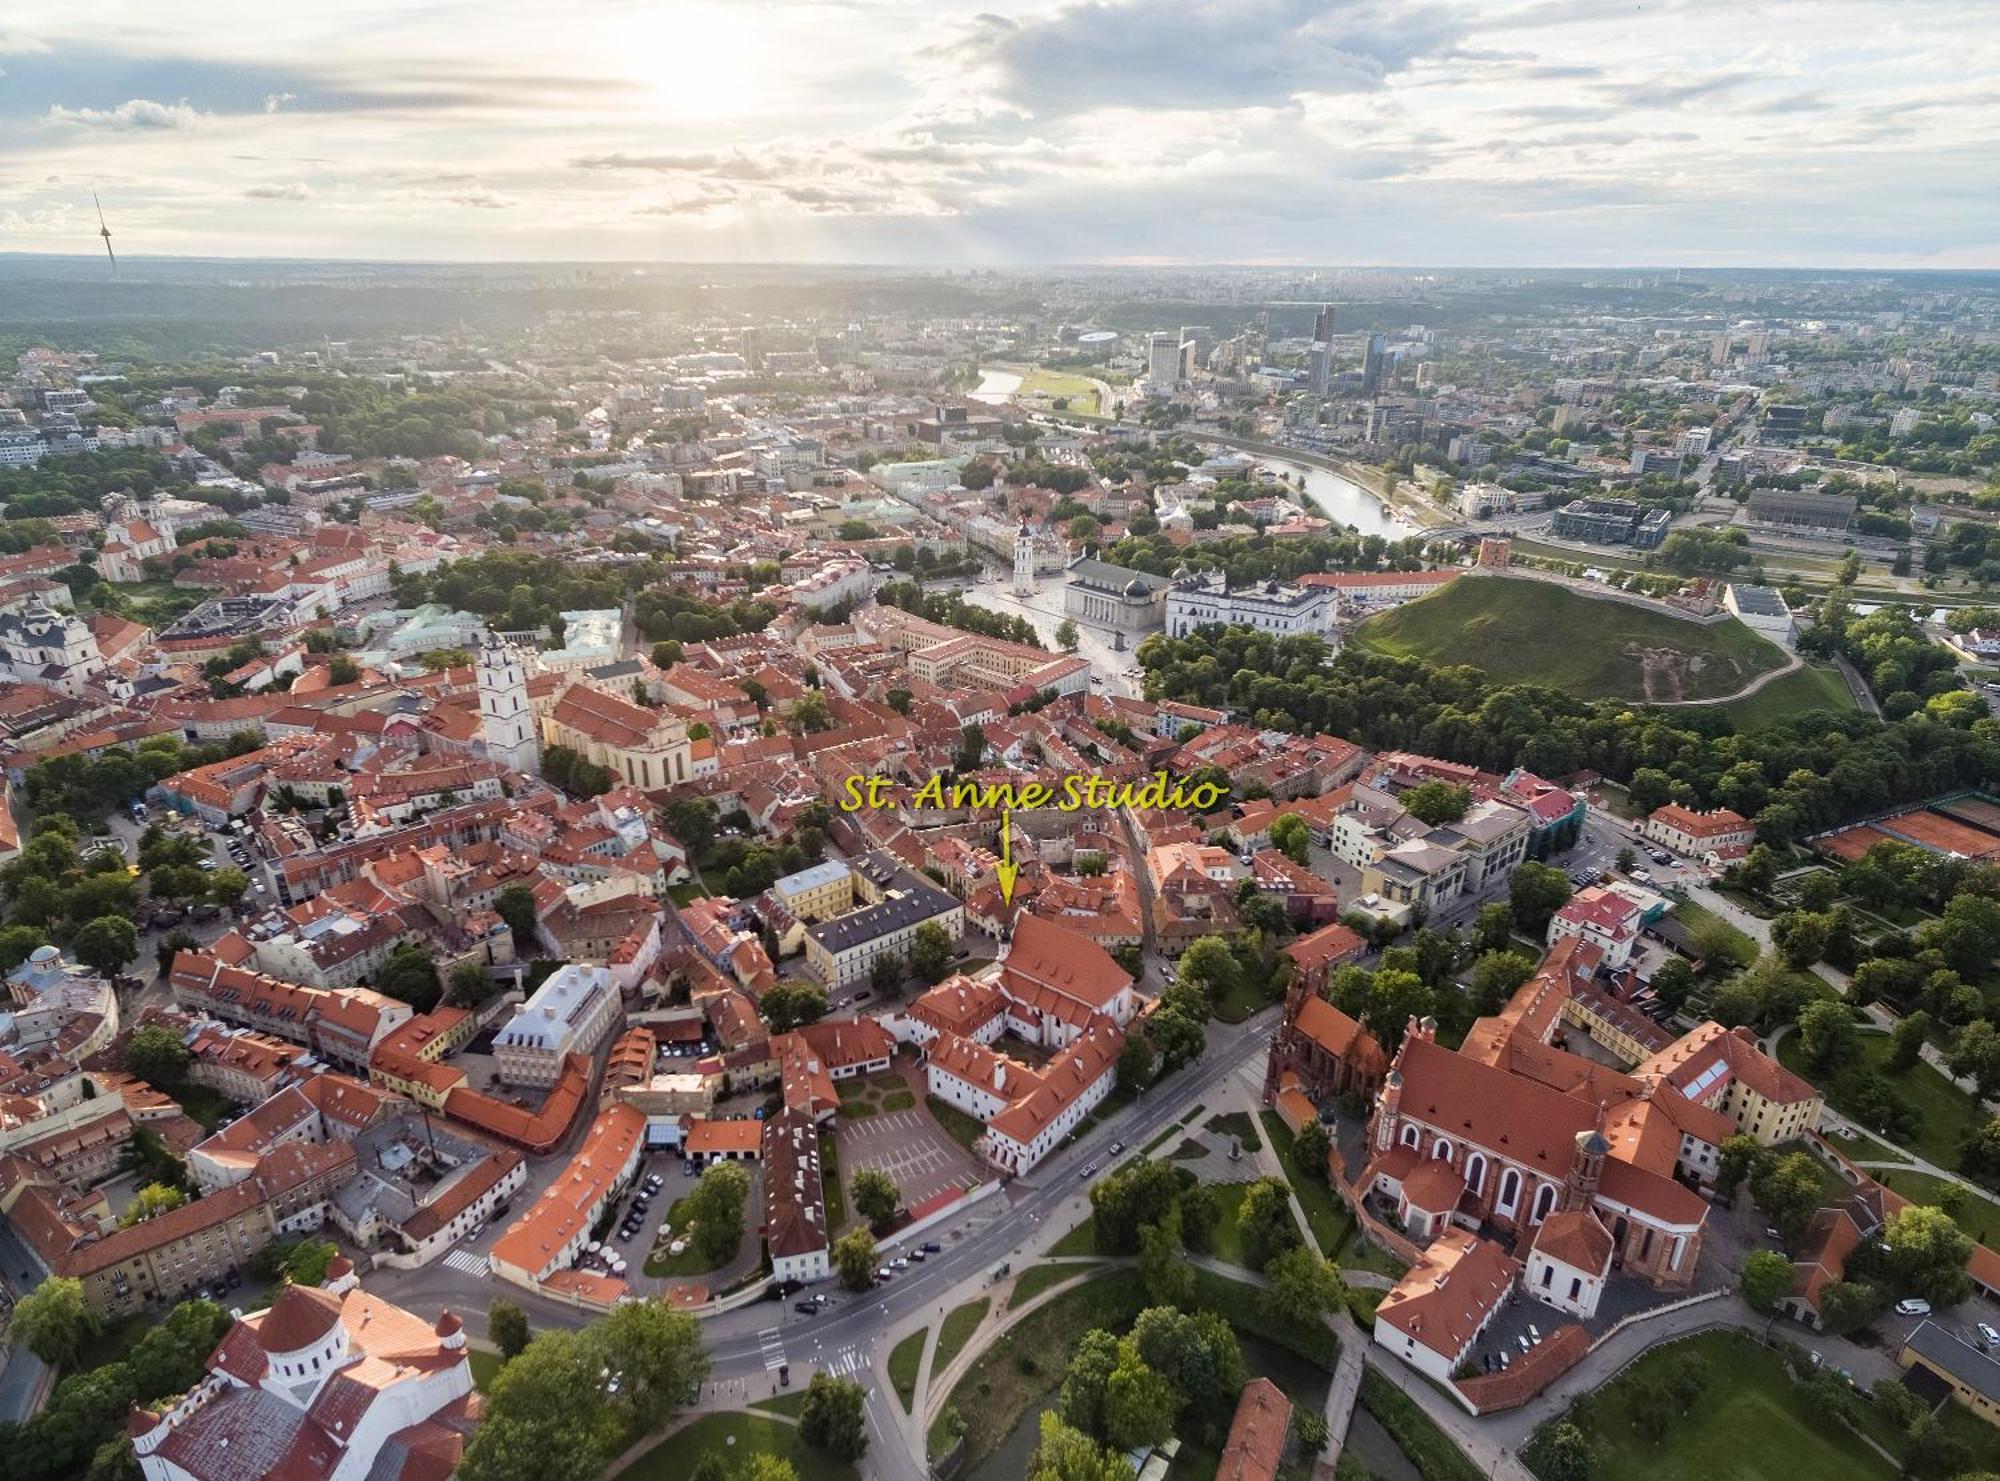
(1319, 360)
(1375, 364)
(1163, 358)
(506, 719)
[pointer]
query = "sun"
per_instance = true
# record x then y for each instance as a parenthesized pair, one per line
(703, 58)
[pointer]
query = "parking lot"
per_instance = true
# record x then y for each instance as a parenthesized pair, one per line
(911, 1148)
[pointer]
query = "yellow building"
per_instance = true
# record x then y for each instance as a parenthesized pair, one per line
(1938, 1361)
(647, 748)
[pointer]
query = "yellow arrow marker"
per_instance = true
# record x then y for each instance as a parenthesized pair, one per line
(1007, 871)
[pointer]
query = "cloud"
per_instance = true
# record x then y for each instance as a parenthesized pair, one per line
(481, 200)
(135, 115)
(1201, 54)
(718, 166)
(1674, 94)
(292, 192)
(274, 101)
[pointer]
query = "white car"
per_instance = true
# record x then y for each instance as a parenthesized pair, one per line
(1913, 1306)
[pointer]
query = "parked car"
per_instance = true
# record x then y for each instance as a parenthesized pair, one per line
(899, 1263)
(919, 1256)
(1988, 1338)
(883, 1274)
(806, 1308)
(1913, 1306)
(932, 1247)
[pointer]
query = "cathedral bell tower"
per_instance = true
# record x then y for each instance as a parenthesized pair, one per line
(506, 719)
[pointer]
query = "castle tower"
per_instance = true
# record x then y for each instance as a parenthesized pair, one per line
(1024, 562)
(505, 717)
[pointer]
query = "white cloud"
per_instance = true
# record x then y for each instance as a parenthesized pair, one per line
(292, 192)
(133, 115)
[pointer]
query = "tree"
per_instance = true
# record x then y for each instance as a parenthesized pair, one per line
(468, 986)
(507, 1325)
(1139, 1405)
(107, 944)
(876, 1195)
(1065, 1453)
(1181, 1037)
(1567, 1455)
(1137, 1061)
(1493, 930)
(656, 1353)
(1303, 1288)
(1291, 837)
(790, 1004)
(546, 1417)
(832, 1420)
(17, 943)
(1979, 1153)
(1787, 1189)
(854, 1259)
(1310, 1149)
(1801, 936)
(692, 820)
(930, 952)
(1975, 1055)
(1536, 892)
(1199, 1355)
(1081, 1399)
(1827, 1035)
(342, 671)
(1907, 1039)
(157, 1056)
(55, 1321)
(1495, 976)
(809, 713)
(971, 748)
(1067, 637)
(888, 972)
(1849, 1305)
(899, 700)
(226, 885)
(1927, 1252)
(1741, 1154)
(1436, 802)
(409, 975)
(1128, 1198)
(1163, 1267)
(516, 905)
(1266, 1222)
(1210, 965)
(717, 1205)
(1673, 983)
(149, 1203)
(1310, 1430)
(1766, 1279)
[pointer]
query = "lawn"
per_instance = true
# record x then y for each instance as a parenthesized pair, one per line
(113, 1342)
(1326, 1216)
(1039, 1278)
(486, 1367)
(1189, 1150)
(1081, 393)
(1023, 1364)
(957, 1331)
(1227, 1244)
(1949, 1114)
(1237, 1124)
(1523, 631)
(204, 1105)
(905, 1360)
(1751, 1421)
(689, 1261)
(1978, 1215)
(1242, 1000)
(792, 1402)
(1082, 1240)
(829, 1179)
(733, 1437)
(1710, 928)
(1806, 691)
(963, 1129)
(685, 894)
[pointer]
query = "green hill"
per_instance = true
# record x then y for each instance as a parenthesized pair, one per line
(1536, 632)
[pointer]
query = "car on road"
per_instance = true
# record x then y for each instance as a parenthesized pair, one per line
(806, 1308)
(918, 1255)
(1089, 1170)
(1913, 1306)
(883, 1274)
(1116, 1148)
(1771, 1233)
(899, 1263)
(932, 1247)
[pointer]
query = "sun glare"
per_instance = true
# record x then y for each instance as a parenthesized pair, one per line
(697, 56)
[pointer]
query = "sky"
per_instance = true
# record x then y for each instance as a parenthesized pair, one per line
(1828, 133)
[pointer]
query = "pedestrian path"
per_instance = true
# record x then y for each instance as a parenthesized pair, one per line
(465, 1262)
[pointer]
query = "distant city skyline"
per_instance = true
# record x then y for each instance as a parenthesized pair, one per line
(1144, 132)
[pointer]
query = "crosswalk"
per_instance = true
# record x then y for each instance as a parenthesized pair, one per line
(847, 1360)
(467, 1263)
(773, 1347)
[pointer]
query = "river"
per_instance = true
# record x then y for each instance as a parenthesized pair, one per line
(1341, 499)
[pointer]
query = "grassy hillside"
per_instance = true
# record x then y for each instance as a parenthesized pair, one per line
(1535, 632)
(1804, 690)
